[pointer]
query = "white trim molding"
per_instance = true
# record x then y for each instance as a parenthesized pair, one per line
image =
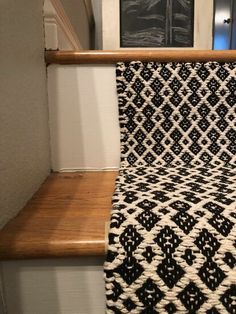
(59, 32)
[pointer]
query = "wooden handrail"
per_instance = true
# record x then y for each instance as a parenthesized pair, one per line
(113, 56)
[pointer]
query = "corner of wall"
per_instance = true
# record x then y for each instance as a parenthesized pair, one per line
(24, 127)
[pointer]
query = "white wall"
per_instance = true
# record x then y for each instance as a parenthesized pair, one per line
(24, 140)
(83, 117)
(57, 286)
(203, 22)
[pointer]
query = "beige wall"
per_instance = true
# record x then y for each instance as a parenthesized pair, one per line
(76, 12)
(24, 135)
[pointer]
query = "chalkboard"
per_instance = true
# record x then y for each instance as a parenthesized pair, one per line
(156, 23)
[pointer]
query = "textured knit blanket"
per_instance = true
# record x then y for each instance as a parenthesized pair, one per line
(172, 240)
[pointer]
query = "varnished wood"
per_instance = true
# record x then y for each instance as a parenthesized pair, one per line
(66, 217)
(113, 56)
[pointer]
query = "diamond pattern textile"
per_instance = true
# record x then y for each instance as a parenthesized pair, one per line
(172, 239)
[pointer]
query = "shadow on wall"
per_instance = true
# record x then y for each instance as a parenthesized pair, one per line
(83, 117)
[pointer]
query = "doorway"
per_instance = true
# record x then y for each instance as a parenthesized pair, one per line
(224, 37)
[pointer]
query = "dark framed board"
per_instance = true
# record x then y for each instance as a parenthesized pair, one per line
(156, 23)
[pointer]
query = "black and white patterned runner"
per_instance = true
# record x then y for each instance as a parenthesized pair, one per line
(172, 240)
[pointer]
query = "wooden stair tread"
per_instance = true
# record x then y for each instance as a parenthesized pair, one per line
(66, 217)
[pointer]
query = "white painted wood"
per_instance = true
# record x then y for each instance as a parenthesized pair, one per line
(203, 23)
(83, 117)
(58, 286)
(59, 32)
(110, 25)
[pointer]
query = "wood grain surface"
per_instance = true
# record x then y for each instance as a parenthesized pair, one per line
(113, 56)
(66, 217)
